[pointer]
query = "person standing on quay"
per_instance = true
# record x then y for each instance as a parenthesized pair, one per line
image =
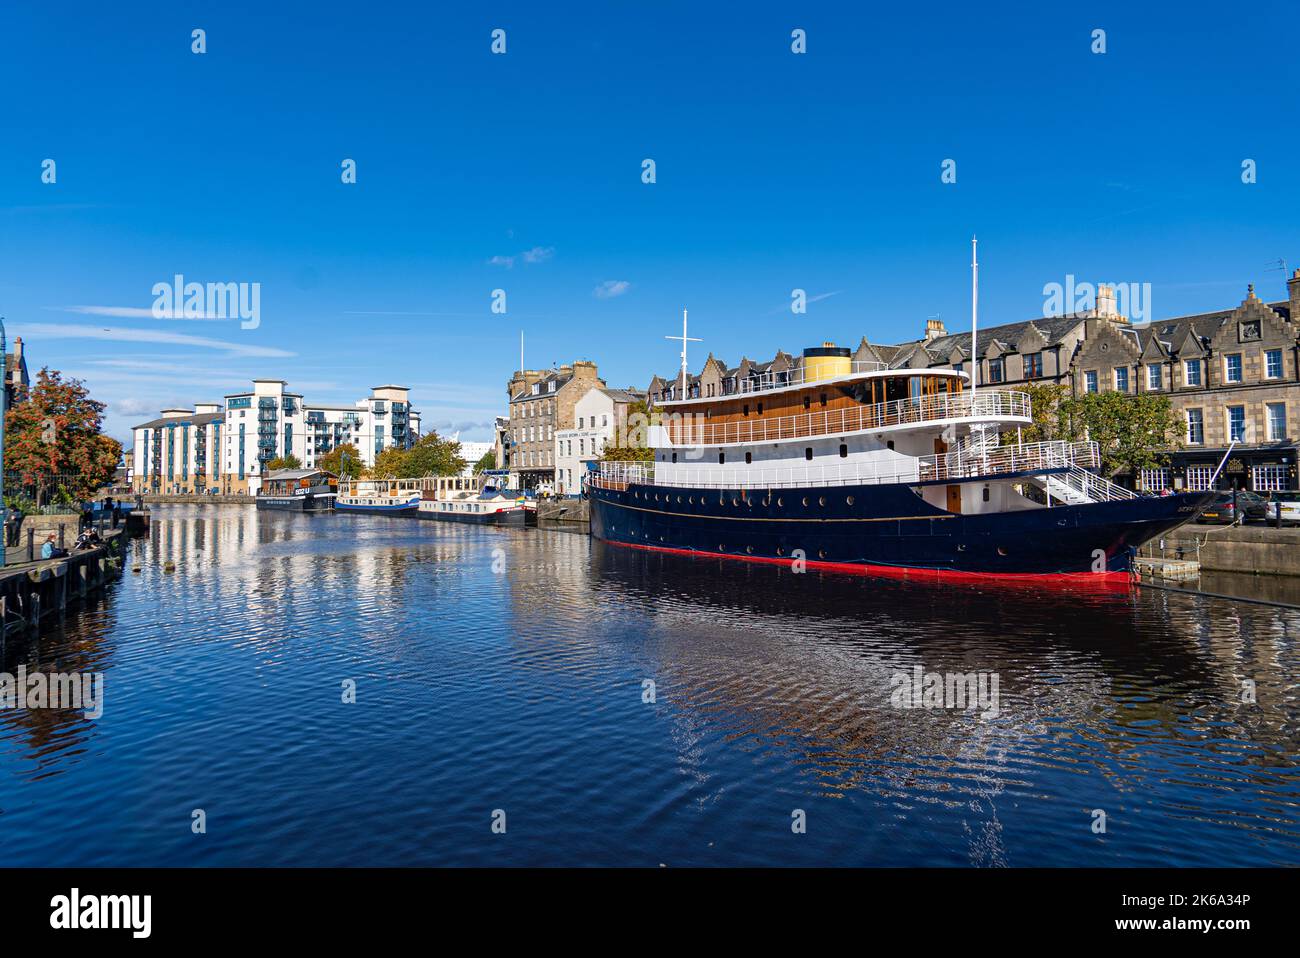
(13, 523)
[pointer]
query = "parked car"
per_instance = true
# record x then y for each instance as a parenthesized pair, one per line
(1266, 512)
(1221, 510)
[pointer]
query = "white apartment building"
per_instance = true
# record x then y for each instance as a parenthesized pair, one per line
(597, 418)
(178, 453)
(225, 447)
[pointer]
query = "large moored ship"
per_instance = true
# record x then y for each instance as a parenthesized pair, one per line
(872, 469)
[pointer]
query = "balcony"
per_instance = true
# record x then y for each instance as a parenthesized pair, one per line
(990, 405)
(1031, 458)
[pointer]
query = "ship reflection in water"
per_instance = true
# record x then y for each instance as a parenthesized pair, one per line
(510, 669)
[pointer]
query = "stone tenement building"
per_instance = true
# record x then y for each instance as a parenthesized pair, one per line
(541, 402)
(1231, 375)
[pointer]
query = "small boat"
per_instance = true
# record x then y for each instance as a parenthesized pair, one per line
(470, 499)
(387, 496)
(298, 490)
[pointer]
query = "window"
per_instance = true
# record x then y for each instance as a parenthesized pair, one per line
(749, 458)
(1195, 427)
(1273, 364)
(844, 450)
(1198, 478)
(1232, 368)
(1121, 379)
(1268, 478)
(1276, 415)
(1153, 377)
(1192, 372)
(1155, 480)
(1237, 423)
(958, 367)
(722, 459)
(995, 371)
(1033, 365)
(1090, 381)
(807, 453)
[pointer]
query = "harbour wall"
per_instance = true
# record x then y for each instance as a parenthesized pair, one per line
(569, 513)
(1258, 550)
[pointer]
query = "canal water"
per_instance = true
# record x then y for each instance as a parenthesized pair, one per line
(501, 675)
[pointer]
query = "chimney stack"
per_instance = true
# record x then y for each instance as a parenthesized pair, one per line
(934, 329)
(18, 345)
(1293, 287)
(1105, 306)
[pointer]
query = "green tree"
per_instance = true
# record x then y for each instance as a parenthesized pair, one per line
(1045, 400)
(285, 462)
(1133, 432)
(53, 440)
(342, 460)
(389, 464)
(489, 461)
(430, 456)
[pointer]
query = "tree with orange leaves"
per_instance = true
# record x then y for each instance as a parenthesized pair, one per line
(53, 440)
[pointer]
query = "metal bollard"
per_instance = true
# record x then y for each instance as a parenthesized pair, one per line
(31, 545)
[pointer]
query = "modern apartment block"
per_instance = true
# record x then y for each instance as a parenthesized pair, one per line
(226, 447)
(180, 453)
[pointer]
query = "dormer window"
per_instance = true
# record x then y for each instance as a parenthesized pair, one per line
(537, 389)
(550, 387)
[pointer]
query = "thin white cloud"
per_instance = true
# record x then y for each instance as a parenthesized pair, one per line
(538, 254)
(611, 288)
(135, 312)
(57, 331)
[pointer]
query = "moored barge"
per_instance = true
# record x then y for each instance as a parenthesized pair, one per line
(298, 490)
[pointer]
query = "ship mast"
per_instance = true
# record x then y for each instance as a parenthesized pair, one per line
(685, 339)
(974, 313)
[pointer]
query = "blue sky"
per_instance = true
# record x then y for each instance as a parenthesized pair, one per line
(476, 171)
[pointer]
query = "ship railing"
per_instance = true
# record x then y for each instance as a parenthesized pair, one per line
(800, 376)
(1096, 488)
(992, 405)
(1023, 458)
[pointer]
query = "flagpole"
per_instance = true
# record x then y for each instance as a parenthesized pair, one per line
(974, 314)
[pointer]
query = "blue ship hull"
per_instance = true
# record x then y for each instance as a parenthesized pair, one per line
(396, 509)
(887, 529)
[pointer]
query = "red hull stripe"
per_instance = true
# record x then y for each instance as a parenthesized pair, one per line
(1109, 581)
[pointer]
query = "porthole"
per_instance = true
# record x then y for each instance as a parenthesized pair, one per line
(780, 501)
(805, 500)
(735, 502)
(821, 500)
(679, 500)
(691, 501)
(1001, 551)
(767, 501)
(780, 551)
(721, 547)
(749, 549)
(821, 553)
(848, 501)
